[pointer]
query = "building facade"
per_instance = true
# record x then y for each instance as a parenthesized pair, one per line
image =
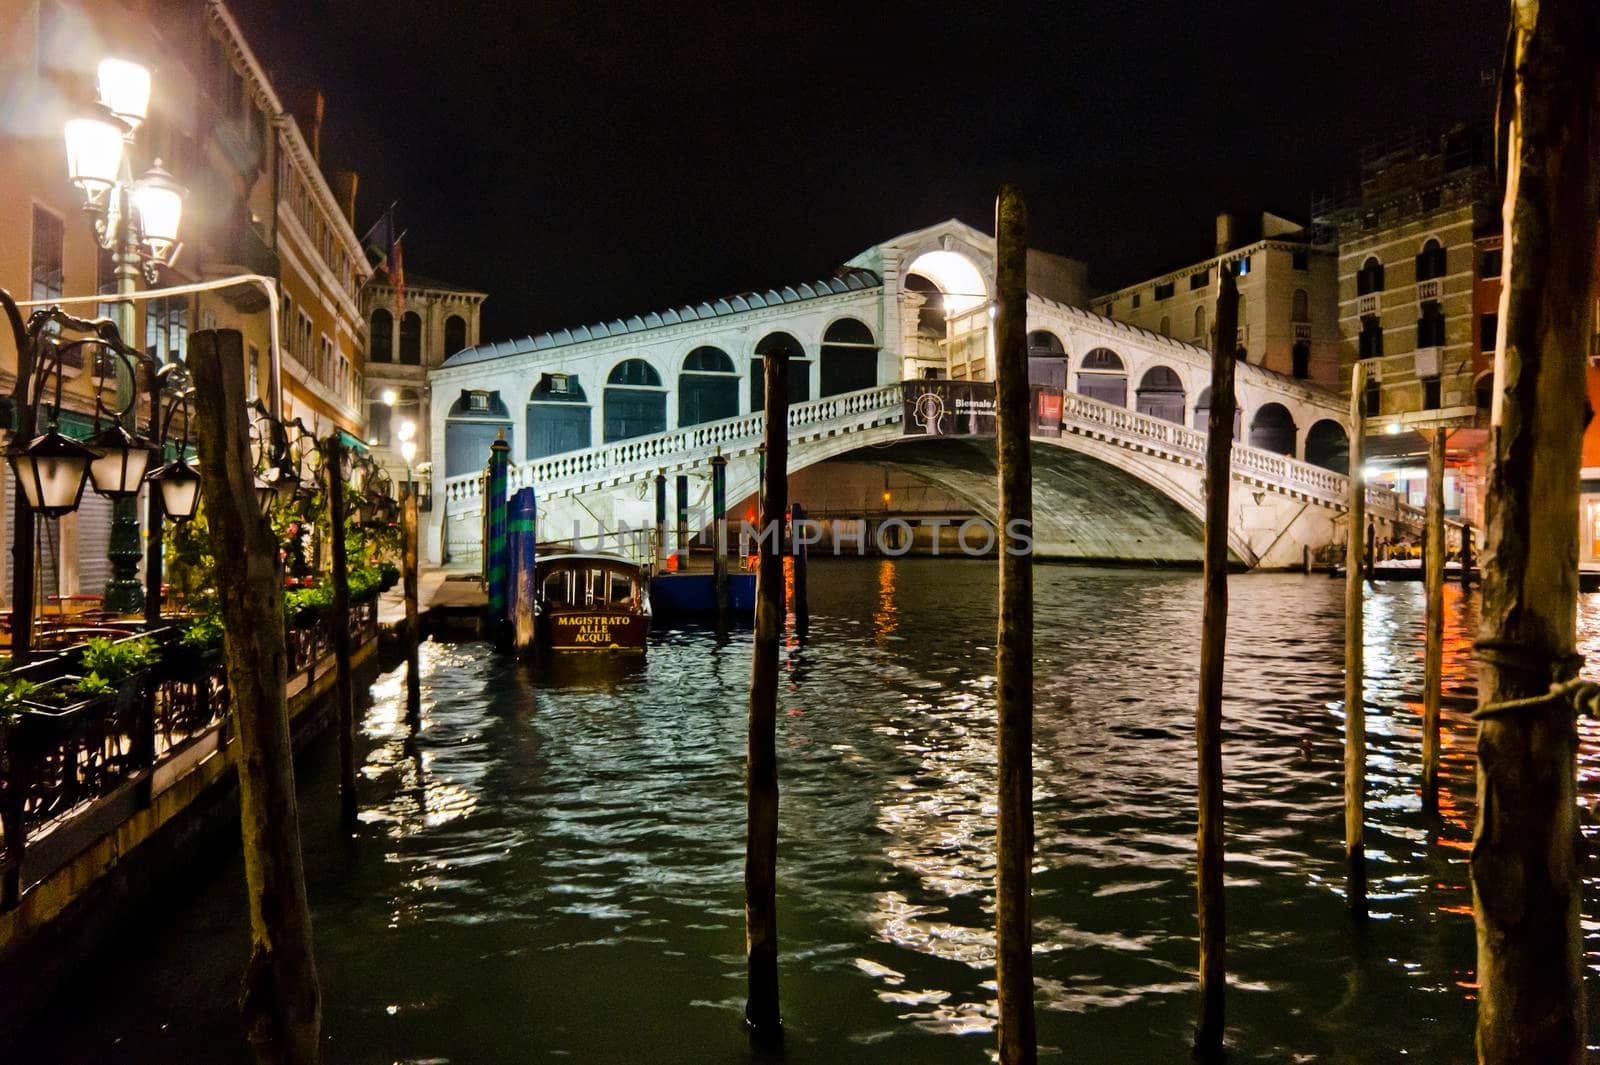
(1288, 319)
(256, 202)
(438, 319)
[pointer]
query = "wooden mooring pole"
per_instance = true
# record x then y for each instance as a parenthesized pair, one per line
(799, 549)
(413, 635)
(1014, 640)
(1527, 848)
(719, 529)
(1355, 713)
(281, 1000)
(1433, 647)
(333, 468)
(761, 766)
(1210, 905)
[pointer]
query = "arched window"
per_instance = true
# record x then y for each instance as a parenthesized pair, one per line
(1160, 394)
(1328, 446)
(1102, 376)
(1369, 278)
(1273, 429)
(1200, 322)
(635, 402)
(849, 358)
(558, 416)
(708, 388)
(799, 369)
(474, 422)
(455, 334)
(1042, 342)
(411, 339)
(1300, 306)
(1202, 414)
(1166, 326)
(1300, 357)
(382, 337)
(1430, 260)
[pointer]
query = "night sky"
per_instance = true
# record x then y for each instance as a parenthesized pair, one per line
(590, 161)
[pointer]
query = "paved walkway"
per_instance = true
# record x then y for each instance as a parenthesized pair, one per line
(434, 588)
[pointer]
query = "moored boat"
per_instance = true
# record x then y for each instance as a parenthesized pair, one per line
(591, 602)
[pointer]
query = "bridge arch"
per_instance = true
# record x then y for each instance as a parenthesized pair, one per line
(848, 359)
(1161, 395)
(708, 386)
(1272, 428)
(559, 417)
(635, 403)
(799, 369)
(1328, 446)
(475, 420)
(1103, 375)
(1202, 414)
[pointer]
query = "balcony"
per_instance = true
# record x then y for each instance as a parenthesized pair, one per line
(1367, 304)
(242, 251)
(1302, 330)
(1428, 290)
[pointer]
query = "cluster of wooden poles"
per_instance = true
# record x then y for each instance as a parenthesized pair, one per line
(1525, 861)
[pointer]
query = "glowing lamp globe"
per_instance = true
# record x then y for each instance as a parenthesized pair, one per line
(159, 201)
(94, 154)
(124, 89)
(52, 471)
(120, 463)
(180, 489)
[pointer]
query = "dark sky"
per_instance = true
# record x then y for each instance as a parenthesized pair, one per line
(587, 161)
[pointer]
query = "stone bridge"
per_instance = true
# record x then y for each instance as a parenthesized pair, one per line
(1116, 484)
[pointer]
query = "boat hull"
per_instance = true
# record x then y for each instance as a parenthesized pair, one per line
(592, 631)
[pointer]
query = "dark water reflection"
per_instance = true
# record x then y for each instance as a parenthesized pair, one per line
(551, 869)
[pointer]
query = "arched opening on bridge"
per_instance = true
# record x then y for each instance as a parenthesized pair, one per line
(475, 420)
(382, 347)
(635, 402)
(1273, 429)
(1328, 446)
(708, 388)
(1047, 360)
(558, 417)
(1202, 414)
(1102, 376)
(849, 358)
(954, 276)
(953, 323)
(1160, 394)
(455, 334)
(799, 369)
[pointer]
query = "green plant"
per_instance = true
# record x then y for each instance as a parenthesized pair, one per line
(189, 566)
(205, 634)
(306, 606)
(116, 662)
(13, 692)
(93, 685)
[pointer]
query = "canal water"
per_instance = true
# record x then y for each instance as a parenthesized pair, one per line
(550, 869)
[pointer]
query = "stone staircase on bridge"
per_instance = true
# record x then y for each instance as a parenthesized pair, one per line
(825, 427)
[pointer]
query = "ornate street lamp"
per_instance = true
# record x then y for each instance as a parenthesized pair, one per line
(121, 457)
(276, 476)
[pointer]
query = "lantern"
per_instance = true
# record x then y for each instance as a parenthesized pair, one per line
(124, 89)
(120, 461)
(94, 154)
(180, 489)
(159, 201)
(52, 471)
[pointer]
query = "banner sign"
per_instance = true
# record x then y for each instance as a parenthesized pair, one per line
(948, 408)
(1046, 419)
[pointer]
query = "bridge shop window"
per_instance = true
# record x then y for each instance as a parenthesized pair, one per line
(635, 402)
(1273, 429)
(849, 358)
(382, 347)
(411, 339)
(1161, 395)
(1103, 376)
(558, 417)
(1328, 446)
(1202, 414)
(1047, 360)
(799, 369)
(708, 388)
(475, 420)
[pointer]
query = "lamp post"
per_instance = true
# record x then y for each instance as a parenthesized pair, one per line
(137, 221)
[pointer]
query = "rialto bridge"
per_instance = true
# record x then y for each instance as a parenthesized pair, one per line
(594, 414)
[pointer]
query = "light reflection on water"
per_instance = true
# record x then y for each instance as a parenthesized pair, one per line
(552, 866)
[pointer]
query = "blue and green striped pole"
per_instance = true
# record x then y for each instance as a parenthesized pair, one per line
(521, 527)
(496, 551)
